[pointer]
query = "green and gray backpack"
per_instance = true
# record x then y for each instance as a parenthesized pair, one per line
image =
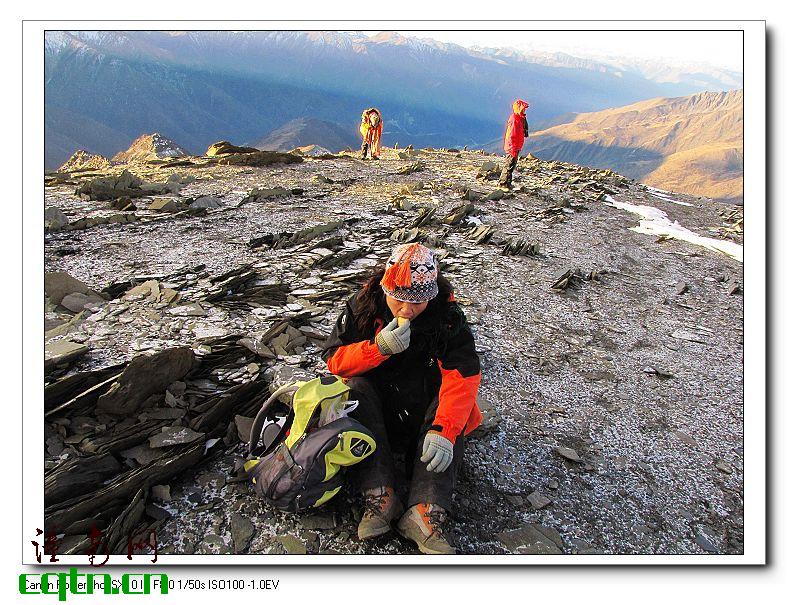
(300, 463)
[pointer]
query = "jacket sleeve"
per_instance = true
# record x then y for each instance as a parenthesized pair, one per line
(507, 137)
(460, 378)
(346, 352)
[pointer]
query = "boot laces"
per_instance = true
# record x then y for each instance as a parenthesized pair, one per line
(437, 519)
(374, 503)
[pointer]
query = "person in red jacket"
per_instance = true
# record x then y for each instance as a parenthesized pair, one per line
(403, 345)
(516, 133)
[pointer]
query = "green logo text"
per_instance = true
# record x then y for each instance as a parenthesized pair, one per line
(61, 584)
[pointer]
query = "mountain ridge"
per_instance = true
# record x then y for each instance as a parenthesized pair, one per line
(202, 86)
(690, 144)
(302, 131)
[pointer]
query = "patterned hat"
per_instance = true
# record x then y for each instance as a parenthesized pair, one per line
(411, 274)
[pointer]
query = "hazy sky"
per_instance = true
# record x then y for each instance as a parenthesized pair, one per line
(718, 48)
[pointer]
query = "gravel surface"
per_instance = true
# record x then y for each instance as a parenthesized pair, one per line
(615, 420)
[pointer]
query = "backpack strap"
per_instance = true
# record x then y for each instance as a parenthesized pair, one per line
(259, 419)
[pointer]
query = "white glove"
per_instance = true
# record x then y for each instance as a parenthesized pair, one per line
(437, 451)
(391, 339)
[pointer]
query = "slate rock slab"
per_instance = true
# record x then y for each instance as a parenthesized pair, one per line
(259, 158)
(77, 301)
(292, 544)
(489, 171)
(78, 476)
(537, 500)
(157, 512)
(532, 539)
(62, 352)
(165, 413)
(493, 196)
(146, 375)
(242, 531)
(164, 204)
(243, 425)
(707, 538)
(225, 147)
(689, 336)
(54, 219)
(174, 435)
(319, 521)
(58, 284)
(107, 188)
(206, 201)
(490, 416)
(161, 493)
(142, 453)
(568, 453)
(213, 544)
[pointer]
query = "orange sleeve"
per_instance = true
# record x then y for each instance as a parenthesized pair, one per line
(355, 359)
(457, 403)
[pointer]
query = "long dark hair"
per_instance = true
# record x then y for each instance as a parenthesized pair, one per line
(371, 302)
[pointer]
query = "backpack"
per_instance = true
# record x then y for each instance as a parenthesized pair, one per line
(300, 463)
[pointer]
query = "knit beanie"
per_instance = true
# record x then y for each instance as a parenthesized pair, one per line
(411, 274)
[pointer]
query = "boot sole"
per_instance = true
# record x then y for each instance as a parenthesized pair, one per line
(422, 548)
(372, 536)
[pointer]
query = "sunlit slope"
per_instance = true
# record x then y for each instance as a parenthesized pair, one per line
(688, 144)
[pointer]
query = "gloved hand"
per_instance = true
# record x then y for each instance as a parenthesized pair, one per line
(391, 339)
(437, 452)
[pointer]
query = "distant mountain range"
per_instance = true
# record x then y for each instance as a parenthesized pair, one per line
(690, 144)
(105, 88)
(309, 131)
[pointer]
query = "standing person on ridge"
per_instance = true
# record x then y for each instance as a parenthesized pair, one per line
(371, 130)
(516, 133)
(405, 349)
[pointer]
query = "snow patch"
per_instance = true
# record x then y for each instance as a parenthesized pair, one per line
(474, 220)
(656, 222)
(313, 150)
(663, 196)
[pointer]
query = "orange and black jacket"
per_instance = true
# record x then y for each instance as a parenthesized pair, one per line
(368, 133)
(441, 360)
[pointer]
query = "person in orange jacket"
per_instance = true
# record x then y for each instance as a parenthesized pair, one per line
(403, 345)
(516, 133)
(371, 130)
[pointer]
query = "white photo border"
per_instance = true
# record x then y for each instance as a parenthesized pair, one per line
(31, 403)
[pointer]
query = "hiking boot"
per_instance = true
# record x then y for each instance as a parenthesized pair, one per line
(424, 524)
(505, 186)
(381, 507)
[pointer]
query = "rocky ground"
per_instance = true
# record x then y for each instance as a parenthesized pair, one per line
(611, 360)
